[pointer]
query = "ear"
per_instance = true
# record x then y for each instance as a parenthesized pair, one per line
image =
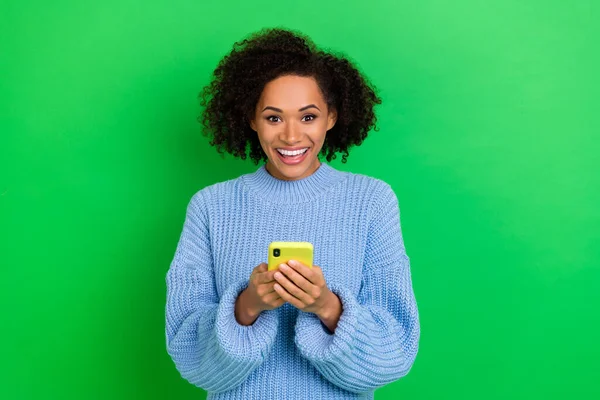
(253, 125)
(331, 118)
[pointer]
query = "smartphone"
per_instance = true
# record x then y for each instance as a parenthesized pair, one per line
(282, 252)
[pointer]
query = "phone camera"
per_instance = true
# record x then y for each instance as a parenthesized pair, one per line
(276, 252)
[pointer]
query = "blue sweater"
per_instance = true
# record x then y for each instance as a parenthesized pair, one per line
(353, 221)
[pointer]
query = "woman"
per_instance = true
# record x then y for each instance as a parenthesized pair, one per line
(340, 329)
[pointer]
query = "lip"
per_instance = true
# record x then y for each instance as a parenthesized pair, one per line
(295, 160)
(293, 148)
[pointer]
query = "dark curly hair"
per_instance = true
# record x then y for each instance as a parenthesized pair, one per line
(229, 101)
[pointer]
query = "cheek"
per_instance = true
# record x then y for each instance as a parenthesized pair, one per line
(318, 131)
(266, 133)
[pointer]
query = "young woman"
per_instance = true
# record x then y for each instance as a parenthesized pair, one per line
(340, 329)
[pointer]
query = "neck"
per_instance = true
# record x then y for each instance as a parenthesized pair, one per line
(275, 190)
(272, 169)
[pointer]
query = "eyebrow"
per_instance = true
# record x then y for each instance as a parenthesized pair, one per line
(301, 109)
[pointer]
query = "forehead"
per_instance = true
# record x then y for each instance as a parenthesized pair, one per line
(291, 92)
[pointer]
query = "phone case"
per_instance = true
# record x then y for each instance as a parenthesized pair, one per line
(300, 251)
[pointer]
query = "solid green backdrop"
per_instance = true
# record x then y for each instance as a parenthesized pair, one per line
(489, 136)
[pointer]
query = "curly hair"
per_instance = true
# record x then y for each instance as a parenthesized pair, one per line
(229, 101)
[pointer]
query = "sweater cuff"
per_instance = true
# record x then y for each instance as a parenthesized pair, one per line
(315, 341)
(241, 342)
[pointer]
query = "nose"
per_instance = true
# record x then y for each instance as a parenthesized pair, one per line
(291, 134)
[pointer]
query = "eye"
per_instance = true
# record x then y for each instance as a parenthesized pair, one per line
(311, 116)
(270, 118)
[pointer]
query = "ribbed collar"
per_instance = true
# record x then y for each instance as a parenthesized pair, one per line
(275, 190)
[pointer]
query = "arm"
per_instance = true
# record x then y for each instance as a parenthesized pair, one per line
(377, 335)
(209, 347)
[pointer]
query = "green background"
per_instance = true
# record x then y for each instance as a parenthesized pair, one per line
(489, 136)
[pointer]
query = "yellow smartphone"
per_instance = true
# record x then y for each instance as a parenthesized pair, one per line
(282, 252)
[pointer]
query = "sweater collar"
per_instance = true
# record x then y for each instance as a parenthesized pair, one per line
(275, 190)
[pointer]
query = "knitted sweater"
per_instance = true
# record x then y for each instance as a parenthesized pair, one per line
(353, 221)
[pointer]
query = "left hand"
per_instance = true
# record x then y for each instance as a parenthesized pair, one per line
(303, 287)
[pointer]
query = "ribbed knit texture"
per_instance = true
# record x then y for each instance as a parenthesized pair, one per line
(353, 222)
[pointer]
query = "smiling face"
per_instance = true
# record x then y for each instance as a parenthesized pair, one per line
(291, 120)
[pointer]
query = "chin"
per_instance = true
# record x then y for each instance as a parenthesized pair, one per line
(292, 172)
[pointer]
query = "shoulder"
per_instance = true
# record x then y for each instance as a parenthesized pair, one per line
(377, 190)
(367, 182)
(373, 196)
(220, 188)
(204, 198)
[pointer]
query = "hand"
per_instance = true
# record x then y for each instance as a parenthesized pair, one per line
(258, 296)
(305, 289)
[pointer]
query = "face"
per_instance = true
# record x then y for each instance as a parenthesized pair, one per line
(291, 120)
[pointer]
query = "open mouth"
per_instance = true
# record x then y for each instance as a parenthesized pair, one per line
(291, 157)
(294, 153)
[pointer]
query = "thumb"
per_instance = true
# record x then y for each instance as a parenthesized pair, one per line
(262, 267)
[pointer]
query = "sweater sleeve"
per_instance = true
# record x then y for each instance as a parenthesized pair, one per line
(209, 347)
(377, 336)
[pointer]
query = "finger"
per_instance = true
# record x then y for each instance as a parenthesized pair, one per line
(265, 288)
(303, 270)
(256, 270)
(288, 297)
(271, 297)
(265, 277)
(259, 268)
(292, 289)
(295, 277)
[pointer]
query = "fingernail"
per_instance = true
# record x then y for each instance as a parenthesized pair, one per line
(292, 262)
(278, 275)
(283, 267)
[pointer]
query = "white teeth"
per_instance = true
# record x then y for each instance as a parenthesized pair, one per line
(292, 153)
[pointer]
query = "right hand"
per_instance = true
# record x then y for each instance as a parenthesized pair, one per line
(258, 296)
